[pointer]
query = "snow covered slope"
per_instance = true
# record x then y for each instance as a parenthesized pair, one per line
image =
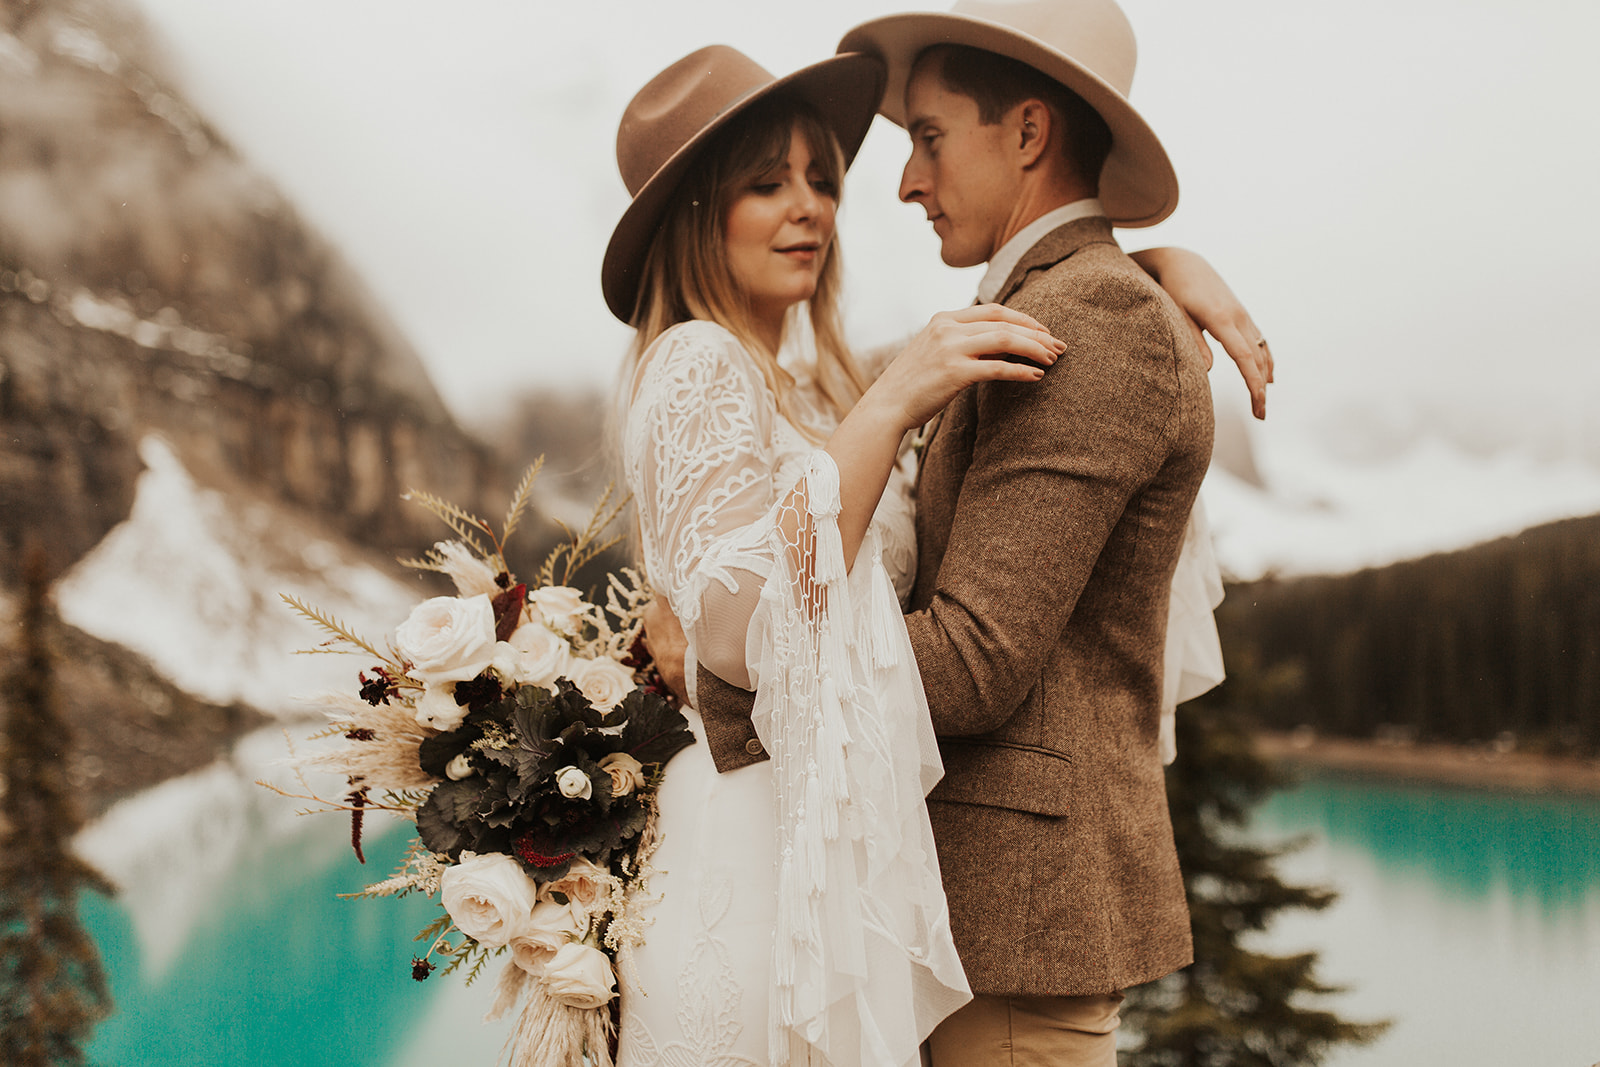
(191, 580)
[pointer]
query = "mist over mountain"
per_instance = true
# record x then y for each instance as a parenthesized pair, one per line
(187, 367)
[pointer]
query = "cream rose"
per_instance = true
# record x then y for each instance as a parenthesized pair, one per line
(438, 708)
(603, 682)
(459, 768)
(448, 639)
(489, 897)
(582, 885)
(579, 976)
(542, 656)
(574, 784)
(471, 574)
(550, 927)
(560, 605)
(626, 773)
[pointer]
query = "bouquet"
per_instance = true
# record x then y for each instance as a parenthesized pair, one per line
(524, 731)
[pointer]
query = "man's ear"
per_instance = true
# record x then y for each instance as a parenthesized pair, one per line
(1036, 128)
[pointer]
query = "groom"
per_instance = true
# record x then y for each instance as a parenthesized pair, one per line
(1049, 519)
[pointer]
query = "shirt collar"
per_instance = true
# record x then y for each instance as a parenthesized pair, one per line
(1003, 262)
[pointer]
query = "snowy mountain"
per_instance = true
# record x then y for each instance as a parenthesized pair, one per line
(1295, 503)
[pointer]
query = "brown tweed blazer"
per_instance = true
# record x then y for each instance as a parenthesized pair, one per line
(1049, 518)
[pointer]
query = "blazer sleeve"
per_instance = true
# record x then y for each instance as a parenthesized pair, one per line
(1053, 467)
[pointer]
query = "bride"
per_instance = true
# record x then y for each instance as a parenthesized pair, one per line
(800, 914)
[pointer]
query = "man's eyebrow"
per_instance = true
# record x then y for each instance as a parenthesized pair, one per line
(915, 126)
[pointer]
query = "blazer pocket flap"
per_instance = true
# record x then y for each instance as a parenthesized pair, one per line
(1000, 774)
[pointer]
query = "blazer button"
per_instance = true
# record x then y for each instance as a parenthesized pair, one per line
(753, 746)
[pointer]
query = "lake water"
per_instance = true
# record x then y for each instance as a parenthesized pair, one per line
(1471, 919)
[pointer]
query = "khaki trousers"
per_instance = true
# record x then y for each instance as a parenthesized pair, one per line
(1028, 1032)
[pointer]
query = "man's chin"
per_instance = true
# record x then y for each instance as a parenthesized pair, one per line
(961, 257)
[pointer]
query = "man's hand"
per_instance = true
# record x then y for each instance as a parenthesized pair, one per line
(1212, 308)
(664, 639)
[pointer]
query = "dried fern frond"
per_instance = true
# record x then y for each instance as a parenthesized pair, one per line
(520, 500)
(466, 525)
(339, 630)
(581, 547)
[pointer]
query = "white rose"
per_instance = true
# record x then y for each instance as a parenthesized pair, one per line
(542, 656)
(438, 708)
(574, 784)
(471, 574)
(489, 897)
(579, 976)
(505, 662)
(627, 773)
(448, 639)
(550, 928)
(459, 768)
(582, 884)
(603, 682)
(561, 605)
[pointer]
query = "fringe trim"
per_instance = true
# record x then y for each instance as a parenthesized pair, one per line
(551, 1034)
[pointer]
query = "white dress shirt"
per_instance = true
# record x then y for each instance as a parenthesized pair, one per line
(1003, 262)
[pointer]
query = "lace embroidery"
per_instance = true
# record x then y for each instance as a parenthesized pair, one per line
(709, 999)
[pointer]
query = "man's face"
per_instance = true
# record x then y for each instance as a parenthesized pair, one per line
(959, 170)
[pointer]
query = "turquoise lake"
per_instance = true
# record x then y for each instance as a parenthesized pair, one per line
(1472, 919)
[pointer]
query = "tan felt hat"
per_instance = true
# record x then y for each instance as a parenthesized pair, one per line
(1086, 45)
(671, 118)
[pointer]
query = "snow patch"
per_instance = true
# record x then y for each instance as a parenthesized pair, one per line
(191, 581)
(1323, 514)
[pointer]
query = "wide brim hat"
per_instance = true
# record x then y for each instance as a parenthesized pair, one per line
(670, 120)
(1086, 45)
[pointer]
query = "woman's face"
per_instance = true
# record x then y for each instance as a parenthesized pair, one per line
(778, 231)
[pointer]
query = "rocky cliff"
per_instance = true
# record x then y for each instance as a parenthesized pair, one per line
(152, 284)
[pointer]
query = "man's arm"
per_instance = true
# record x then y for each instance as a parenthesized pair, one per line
(724, 708)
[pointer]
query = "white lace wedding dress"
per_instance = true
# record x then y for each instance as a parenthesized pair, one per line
(801, 917)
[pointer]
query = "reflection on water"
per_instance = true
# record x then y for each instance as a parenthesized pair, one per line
(1470, 918)
(286, 973)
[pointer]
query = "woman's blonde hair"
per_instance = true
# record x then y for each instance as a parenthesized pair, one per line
(686, 275)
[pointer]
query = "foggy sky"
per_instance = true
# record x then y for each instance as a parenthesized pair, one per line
(1400, 191)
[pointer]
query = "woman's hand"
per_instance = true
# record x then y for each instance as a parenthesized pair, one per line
(1212, 308)
(957, 349)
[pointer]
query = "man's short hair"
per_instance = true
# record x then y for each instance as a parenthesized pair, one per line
(998, 83)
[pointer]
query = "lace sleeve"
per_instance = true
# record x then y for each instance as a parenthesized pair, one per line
(699, 461)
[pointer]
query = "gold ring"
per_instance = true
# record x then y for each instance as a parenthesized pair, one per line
(1262, 343)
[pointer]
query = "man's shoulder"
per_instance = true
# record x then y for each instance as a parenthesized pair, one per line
(1097, 289)
(1094, 274)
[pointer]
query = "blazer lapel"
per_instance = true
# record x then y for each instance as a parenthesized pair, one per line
(1055, 246)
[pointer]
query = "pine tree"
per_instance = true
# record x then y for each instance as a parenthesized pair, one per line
(52, 988)
(1232, 1007)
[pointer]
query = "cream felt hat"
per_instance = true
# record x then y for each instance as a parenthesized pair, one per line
(669, 120)
(1086, 45)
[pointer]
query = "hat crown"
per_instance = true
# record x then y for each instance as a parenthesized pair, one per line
(677, 104)
(1095, 33)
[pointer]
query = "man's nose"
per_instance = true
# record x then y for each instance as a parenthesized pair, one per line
(913, 182)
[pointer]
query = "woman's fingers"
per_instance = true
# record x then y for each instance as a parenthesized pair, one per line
(1249, 351)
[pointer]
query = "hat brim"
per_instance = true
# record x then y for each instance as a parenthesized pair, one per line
(845, 89)
(1138, 186)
